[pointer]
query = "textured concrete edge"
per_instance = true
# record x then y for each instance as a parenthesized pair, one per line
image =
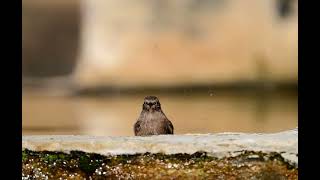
(218, 145)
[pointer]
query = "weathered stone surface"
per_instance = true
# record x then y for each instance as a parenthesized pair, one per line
(80, 165)
(216, 145)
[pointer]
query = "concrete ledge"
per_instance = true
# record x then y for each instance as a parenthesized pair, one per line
(217, 145)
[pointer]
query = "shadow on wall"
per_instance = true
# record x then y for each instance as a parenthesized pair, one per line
(50, 31)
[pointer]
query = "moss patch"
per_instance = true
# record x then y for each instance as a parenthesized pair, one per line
(79, 165)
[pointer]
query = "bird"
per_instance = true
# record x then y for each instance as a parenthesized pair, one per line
(152, 120)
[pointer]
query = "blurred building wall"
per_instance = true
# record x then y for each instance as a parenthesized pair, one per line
(172, 42)
(50, 37)
(167, 42)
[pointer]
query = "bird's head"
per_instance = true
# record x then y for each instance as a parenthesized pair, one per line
(151, 103)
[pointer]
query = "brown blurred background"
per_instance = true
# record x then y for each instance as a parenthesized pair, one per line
(215, 65)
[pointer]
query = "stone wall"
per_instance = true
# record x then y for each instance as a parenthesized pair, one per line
(195, 156)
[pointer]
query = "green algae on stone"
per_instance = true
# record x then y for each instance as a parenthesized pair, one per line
(80, 165)
(24, 156)
(88, 163)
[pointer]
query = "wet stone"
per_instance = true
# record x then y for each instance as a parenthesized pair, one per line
(81, 165)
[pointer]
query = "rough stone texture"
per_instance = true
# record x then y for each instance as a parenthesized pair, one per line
(217, 145)
(80, 165)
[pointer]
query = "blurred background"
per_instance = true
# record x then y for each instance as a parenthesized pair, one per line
(216, 65)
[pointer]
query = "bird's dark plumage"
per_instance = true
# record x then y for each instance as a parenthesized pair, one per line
(152, 120)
